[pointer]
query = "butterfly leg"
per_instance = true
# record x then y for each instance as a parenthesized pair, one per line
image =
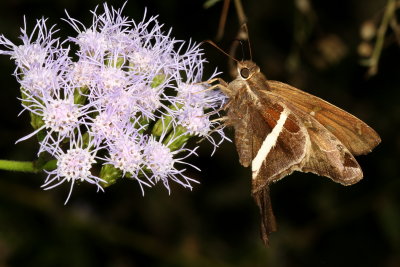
(220, 80)
(219, 127)
(222, 85)
(226, 106)
(224, 119)
(211, 81)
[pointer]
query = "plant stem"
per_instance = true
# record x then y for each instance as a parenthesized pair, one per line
(20, 166)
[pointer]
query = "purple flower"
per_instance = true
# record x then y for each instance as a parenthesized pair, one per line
(82, 74)
(47, 78)
(73, 165)
(161, 161)
(126, 154)
(104, 97)
(106, 126)
(61, 117)
(36, 48)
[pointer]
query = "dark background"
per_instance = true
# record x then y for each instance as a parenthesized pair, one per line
(217, 224)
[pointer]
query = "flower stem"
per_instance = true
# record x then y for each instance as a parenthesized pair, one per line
(20, 166)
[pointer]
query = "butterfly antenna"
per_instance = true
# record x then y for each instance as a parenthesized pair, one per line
(241, 45)
(245, 32)
(220, 49)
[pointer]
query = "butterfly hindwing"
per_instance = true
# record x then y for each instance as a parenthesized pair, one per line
(328, 157)
(250, 127)
(325, 155)
(282, 150)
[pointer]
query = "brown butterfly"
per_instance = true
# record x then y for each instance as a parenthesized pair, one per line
(280, 129)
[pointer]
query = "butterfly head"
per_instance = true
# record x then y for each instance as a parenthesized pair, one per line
(246, 69)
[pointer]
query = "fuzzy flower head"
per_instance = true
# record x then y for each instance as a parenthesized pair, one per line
(58, 115)
(30, 55)
(105, 126)
(92, 41)
(119, 99)
(82, 73)
(36, 48)
(62, 116)
(162, 162)
(73, 165)
(125, 153)
(112, 79)
(194, 120)
(158, 158)
(39, 80)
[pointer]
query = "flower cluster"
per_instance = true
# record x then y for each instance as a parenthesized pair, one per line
(120, 96)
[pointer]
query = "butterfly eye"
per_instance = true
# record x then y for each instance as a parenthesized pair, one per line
(245, 73)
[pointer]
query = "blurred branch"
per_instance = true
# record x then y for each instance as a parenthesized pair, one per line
(305, 19)
(396, 29)
(222, 20)
(239, 11)
(372, 62)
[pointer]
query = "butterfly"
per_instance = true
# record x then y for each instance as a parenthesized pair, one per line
(280, 129)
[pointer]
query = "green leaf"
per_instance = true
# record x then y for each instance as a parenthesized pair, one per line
(79, 95)
(110, 174)
(178, 141)
(157, 80)
(164, 125)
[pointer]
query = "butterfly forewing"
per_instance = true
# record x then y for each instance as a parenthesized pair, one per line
(356, 135)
